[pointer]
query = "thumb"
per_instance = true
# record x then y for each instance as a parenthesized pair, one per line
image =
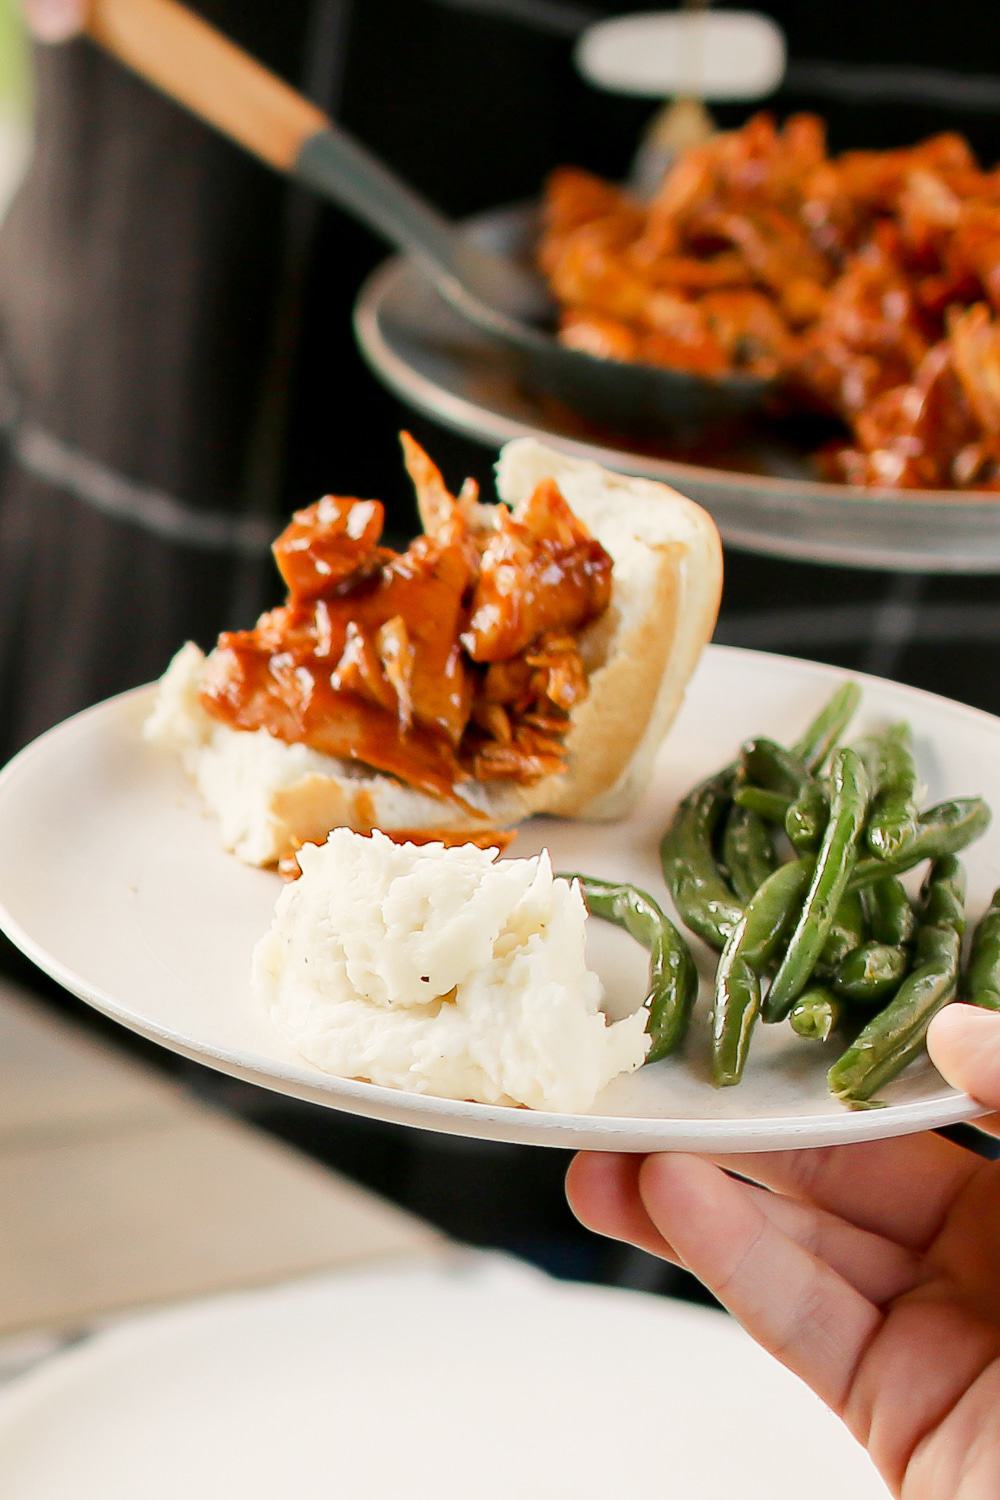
(964, 1045)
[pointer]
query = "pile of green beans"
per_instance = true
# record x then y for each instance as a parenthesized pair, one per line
(788, 861)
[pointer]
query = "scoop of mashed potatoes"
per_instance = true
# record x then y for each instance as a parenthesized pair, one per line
(442, 971)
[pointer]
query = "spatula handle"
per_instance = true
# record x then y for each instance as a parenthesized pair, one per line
(196, 65)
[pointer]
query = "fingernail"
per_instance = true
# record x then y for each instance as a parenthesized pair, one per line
(54, 20)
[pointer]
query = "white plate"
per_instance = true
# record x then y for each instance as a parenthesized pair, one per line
(112, 879)
(419, 1383)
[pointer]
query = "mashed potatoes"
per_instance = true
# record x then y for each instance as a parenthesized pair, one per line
(439, 971)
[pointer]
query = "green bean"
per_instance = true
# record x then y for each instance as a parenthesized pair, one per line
(894, 1037)
(807, 817)
(704, 900)
(869, 747)
(747, 851)
(673, 978)
(749, 950)
(944, 829)
(982, 980)
(871, 973)
(834, 862)
(737, 1006)
(816, 743)
(771, 806)
(893, 818)
(847, 931)
(943, 895)
(890, 915)
(816, 1013)
(765, 763)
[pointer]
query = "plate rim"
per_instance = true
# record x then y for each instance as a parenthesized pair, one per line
(629, 1133)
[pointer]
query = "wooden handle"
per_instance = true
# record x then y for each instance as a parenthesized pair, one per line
(197, 66)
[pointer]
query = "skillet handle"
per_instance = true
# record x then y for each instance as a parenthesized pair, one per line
(197, 66)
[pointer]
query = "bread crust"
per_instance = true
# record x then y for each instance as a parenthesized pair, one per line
(637, 689)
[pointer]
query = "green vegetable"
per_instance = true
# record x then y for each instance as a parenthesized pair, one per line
(835, 925)
(943, 895)
(767, 764)
(701, 895)
(871, 973)
(771, 806)
(834, 863)
(747, 851)
(847, 931)
(982, 980)
(816, 1013)
(893, 1038)
(944, 829)
(893, 818)
(869, 747)
(673, 978)
(816, 743)
(737, 1006)
(807, 816)
(748, 952)
(891, 918)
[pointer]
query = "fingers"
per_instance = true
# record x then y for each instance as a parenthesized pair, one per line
(793, 1304)
(877, 1268)
(54, 20)
(901, 1189)
(603, 1192)
(964, 1044)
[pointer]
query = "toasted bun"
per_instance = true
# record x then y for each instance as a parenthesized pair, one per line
(271, 797)
(640, 655)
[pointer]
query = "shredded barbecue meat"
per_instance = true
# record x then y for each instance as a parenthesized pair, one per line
(457, 659)
(868, 283)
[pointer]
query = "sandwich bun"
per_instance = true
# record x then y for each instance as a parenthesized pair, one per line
(271, 797)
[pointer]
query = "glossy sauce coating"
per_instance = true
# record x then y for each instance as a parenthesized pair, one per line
(868, 283)
(454, 659)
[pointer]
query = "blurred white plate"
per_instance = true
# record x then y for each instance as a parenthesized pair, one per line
(421, 1383)
(113, 881)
